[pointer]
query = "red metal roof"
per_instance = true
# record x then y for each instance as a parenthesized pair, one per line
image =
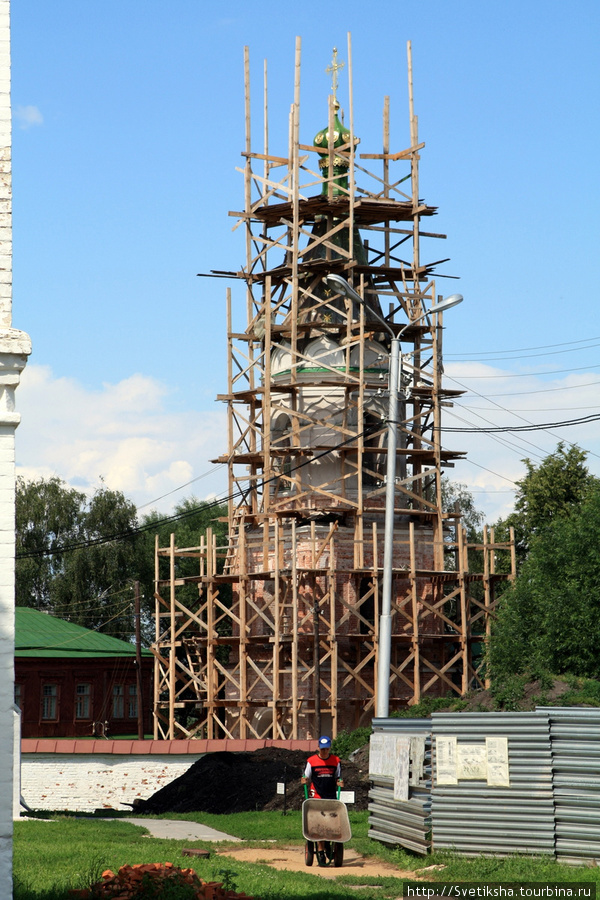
(139, 748)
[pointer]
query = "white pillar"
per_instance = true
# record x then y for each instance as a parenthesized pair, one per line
(17, 763)
(14, 349)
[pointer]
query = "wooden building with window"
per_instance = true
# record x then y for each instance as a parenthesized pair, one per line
(73, 682)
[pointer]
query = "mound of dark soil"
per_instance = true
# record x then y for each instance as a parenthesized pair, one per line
(533, 695)
(240, 782)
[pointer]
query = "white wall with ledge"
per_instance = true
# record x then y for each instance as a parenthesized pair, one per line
(84, 783)
(82, 776)
(15, 347)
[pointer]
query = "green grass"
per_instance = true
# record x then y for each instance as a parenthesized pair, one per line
(51, 857)
(70, 852)
(267, 826)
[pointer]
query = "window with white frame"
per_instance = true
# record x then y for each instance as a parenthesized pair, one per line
(118, 705)
(50, 702)
(132, 707)
(83, 696)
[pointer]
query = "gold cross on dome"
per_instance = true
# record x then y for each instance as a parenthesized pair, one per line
(333, 71)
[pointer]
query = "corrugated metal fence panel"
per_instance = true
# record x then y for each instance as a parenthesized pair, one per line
(407, 823)
(575, 745)
(472, 817)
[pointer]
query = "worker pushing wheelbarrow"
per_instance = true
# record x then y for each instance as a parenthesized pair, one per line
(325, 823)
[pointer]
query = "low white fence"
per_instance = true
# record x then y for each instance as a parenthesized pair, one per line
(82, 776)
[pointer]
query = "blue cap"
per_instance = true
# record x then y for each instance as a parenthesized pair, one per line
(324, 741)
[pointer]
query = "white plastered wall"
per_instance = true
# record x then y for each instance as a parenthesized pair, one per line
(83, 782)
(14, 349)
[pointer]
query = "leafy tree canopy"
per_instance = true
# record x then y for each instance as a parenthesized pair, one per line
(78, 556)
(549, 621)
(550, 491)
(191, 518)
(194, 517)
(456, 495)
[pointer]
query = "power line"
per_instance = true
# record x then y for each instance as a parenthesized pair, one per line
(182, 486)
(218, 502)
(216, 468)
(104, 607)
(491, 491)
(485, 469)
(511, 412)
(524, 446)
(517, 448)
(571, 387)
(497, 438)
(531, 374)
(76, 637)
(500, 429)
(527, 349)
(534, 409)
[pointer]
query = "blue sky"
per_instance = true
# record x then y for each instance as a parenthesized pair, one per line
(128, 127)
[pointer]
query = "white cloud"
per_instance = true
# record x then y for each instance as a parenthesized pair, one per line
(499, 398)
(123, 433)
(127, 434)
(27, 116)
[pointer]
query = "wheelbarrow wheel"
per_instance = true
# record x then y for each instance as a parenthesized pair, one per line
(338, 855)
(309, 853)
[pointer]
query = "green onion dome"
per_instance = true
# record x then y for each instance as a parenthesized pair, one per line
(341, 163)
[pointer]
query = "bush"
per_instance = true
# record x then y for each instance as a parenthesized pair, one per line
(348, 741)
(428, 705)
(509, 691)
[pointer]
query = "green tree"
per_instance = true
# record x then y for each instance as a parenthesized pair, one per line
(456, 495)
(547, 492)
(457, 498)
(549, 621)
(78, 557)
(188, 523)
(48, 518)
(190, 520)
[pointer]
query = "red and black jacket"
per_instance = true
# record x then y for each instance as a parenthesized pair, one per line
(323, 775)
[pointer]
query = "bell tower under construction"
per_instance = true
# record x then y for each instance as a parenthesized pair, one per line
(279, 635)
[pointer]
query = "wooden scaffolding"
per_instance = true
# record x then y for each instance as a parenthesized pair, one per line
(276, 633)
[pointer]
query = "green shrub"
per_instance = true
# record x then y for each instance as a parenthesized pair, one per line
(582, 692)
(428, 705)
(509, 691)
(348, 741)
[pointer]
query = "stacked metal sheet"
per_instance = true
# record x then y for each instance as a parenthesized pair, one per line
(575, 745)
(472, 817)
(403, 822)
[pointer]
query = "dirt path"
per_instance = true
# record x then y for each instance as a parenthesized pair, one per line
(292, 859)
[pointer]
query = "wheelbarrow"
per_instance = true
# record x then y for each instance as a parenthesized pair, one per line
(327, 821)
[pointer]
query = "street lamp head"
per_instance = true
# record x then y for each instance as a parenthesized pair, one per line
(336, 282)
(448, 303)
(452, 300)
(340, 284)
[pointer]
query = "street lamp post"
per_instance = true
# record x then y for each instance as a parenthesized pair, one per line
(385, 619)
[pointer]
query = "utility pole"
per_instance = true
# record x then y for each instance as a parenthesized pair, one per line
(316, 660)
(138, 663)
